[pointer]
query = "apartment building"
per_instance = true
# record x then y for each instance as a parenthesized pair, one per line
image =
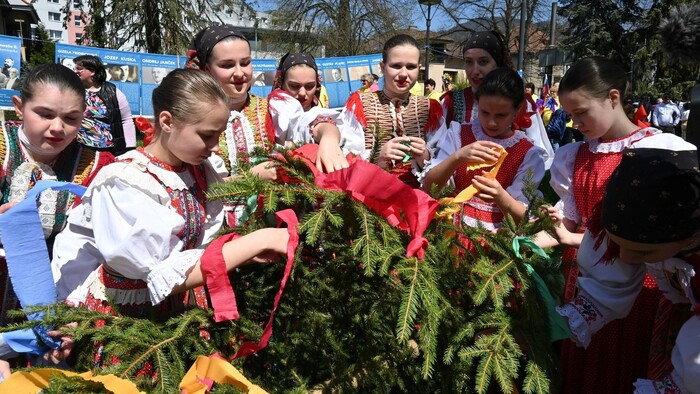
(52, 16)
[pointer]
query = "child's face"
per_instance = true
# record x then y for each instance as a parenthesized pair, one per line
(593, 117)
(231, 65)
(300, 83)
(477, 63)
(193, 143)
(401, 69)
(635, 252)
(496, 114)
(51, 119)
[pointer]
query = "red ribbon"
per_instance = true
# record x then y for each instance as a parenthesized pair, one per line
(365, 182)
(380, 191)
(223, 299)
(146, 127)
(290, 218)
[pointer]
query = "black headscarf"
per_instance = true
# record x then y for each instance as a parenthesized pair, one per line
(490, 42)
(289, 60)
(653, 196)
(203, 43)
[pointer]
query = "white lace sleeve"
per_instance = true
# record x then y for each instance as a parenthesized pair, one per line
(352, 132)
(606, 291)
(681, 272)
(137, 237)
(562, 172)
(686, 356)
(217, 162)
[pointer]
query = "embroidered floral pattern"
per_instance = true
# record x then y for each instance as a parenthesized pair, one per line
(586, 308)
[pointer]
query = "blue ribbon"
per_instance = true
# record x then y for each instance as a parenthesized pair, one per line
(29, 266)
(559, 329)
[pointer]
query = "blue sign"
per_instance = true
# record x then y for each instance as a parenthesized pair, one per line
(11, 58)
(153, 69)
(122, 69)
(263, 75)
(138, 74)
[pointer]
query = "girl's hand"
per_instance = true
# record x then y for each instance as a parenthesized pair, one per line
(490, 190)
(561, 233)
(266, 170)
(4, 207)
(67, 344)
(5, 370)
(395, 149)
(330, 157)
(479, 152)
(419, 150)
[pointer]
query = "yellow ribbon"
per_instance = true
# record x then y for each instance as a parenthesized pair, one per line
(38, 379)
(210, 369)
(468, 193)
(452, 204)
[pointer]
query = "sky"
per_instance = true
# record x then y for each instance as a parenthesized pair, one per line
(439, 20)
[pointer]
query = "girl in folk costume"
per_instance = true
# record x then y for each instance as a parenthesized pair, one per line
(500, 96)
(393, 121)
(43, 146)
(224, 53)
(593, 92)
(650, 214)
(137, 238)
(297, 115)
(484, 51)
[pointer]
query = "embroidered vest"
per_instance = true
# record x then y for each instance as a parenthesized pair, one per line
(246, 131)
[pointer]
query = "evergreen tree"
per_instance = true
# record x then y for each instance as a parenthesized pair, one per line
(42, 50)
(357, 314)
(627, 31)
(600, 27)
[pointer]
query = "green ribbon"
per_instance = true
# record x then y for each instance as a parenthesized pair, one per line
(251, 205)
(526, 241)
(559, 329)
(258, 159)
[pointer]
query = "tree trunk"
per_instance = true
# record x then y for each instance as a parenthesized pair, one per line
(152, 26)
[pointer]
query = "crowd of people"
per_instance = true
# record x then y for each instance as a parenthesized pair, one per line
(628, 210)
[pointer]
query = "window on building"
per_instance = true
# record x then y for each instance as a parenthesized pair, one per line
(55, 16)
(78, 37)
(78, 22)
(54, 1)
(76, 4)
(55, 34)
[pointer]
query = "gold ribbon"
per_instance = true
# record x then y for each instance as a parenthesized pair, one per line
(207, 370)
(38, 379)
(452, 204)
(468, 193)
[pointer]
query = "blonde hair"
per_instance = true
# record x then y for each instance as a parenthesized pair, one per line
(183, 91)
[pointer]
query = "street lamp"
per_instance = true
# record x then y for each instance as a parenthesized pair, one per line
(429, 3)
